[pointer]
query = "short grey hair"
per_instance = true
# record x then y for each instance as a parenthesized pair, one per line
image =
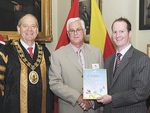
(28, 14)
(73, 20)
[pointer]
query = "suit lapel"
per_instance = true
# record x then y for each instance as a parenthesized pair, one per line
(123, 64)
(72, 57)
(86, 56)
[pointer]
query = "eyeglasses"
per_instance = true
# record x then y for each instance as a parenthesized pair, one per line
(75, 31)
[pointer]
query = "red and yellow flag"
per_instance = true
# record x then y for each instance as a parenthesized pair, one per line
(74, 12)
(99, 36)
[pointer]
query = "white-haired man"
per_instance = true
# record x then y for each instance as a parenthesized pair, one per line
(66, 69)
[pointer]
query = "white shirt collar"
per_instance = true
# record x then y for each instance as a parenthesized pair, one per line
(124, 51)
(26, 46)
(75, 48)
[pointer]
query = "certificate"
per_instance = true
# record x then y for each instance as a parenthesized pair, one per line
(94, 83)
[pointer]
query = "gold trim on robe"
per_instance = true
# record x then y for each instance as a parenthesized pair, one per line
(2, 68)
(43, 75)
(23, 88)
(5, 58)
(2, 77)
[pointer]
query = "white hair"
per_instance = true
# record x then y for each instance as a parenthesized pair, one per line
(71, 20)
(28, 14)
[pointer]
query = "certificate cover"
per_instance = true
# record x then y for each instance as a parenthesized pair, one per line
(94, 83)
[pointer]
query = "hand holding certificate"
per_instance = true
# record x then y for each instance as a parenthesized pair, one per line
(94, 83)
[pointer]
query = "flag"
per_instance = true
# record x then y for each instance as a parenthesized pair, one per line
(74, 12)
(64, 40)
(99, 36)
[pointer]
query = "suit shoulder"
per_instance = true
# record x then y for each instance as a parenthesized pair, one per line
(91, 47)
(109, 59)
(8, 48)
(140, 53)
(140, 57)
(60, 50)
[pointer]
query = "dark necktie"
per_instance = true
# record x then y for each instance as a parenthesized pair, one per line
(30, 51)
(118, 61)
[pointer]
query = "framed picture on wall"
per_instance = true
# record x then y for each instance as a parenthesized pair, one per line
(144, 14)
(16, 8)
(85, 14)
(148, 50)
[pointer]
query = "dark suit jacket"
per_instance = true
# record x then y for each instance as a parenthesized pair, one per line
(130, 87)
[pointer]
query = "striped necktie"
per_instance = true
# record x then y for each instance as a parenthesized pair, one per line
(80, 57)
(118, 61)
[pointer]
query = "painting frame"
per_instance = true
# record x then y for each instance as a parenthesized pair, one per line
(148, 50)
(45, 35)
(144, 14)
(87, 13)
(99, 3)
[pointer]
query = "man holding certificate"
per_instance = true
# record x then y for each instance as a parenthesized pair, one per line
(67, 63)
(128, 73)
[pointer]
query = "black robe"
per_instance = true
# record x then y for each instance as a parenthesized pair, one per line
(14, 100)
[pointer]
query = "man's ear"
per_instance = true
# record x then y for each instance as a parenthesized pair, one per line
(68, 33)
(84, 32)
(130, 34)
(37, 30)
(18, 29)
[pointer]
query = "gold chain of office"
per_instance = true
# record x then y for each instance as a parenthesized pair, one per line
(23, 58)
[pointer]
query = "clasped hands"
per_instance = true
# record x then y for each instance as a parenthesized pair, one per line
(84, 104)
(87, 104)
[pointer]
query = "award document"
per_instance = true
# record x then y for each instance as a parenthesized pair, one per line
(94, 83)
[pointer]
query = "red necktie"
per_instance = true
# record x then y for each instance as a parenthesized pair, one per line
(30, 51)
